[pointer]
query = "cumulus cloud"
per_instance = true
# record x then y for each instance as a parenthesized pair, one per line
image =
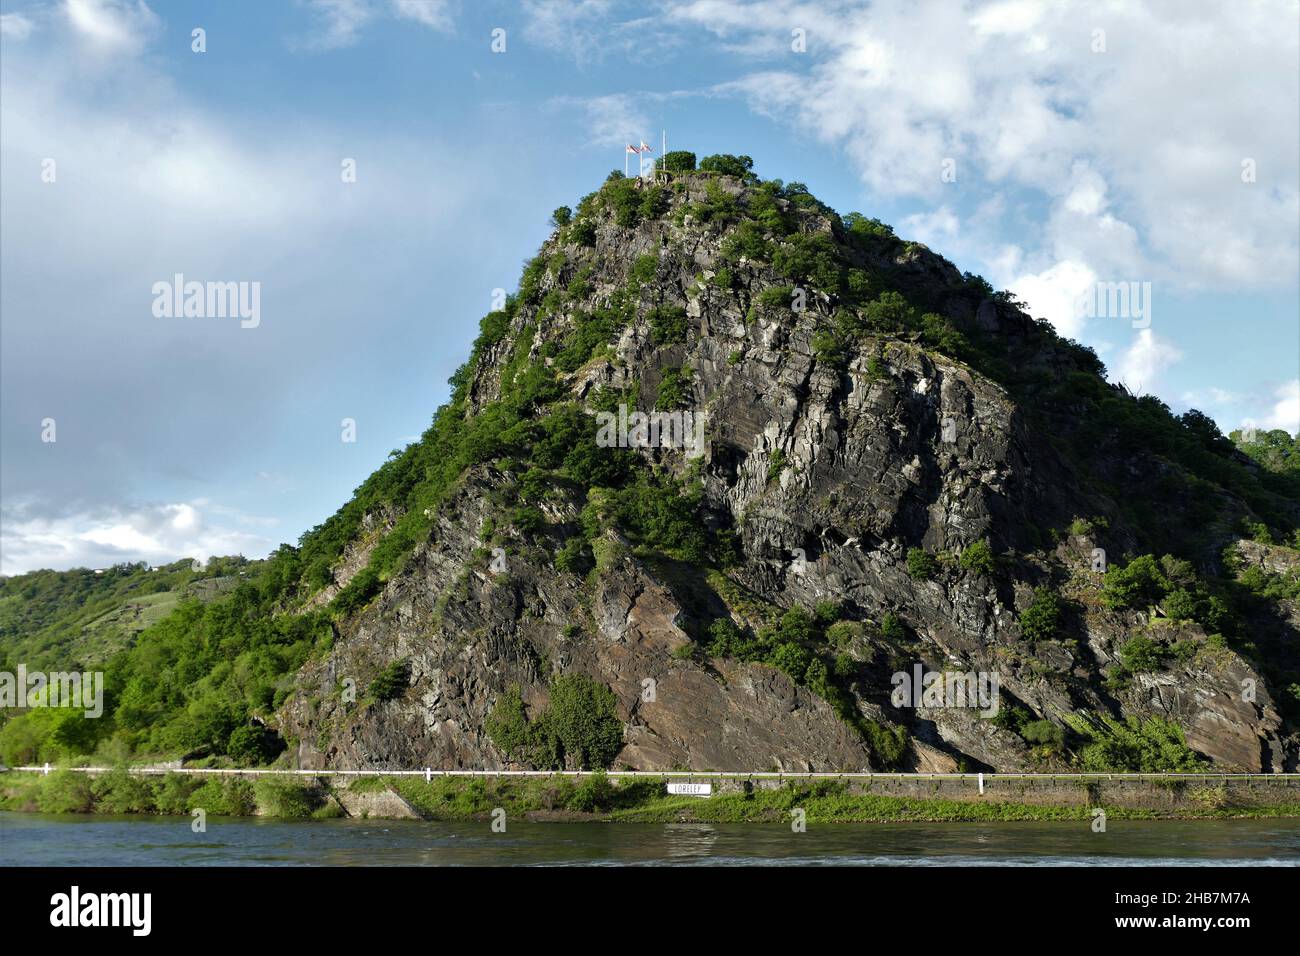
(1054, 294)
(1144, 361)
(158, 534)
(938, 229)
(1032, 97)
(1285, 413)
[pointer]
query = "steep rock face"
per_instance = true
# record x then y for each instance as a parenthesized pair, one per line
(828, 468)
(470, 634)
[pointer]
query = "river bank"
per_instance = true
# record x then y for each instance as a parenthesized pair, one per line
(644, 799)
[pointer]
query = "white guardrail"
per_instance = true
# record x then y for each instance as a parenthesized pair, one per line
(428, 773)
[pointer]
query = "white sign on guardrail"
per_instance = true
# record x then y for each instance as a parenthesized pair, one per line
(691, 789)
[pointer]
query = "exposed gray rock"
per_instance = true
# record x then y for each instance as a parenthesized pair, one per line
(892, 448)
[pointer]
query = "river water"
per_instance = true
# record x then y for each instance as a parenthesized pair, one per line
(49, 840)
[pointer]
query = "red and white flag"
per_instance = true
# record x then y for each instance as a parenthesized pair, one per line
(633, 149)
(645, 148)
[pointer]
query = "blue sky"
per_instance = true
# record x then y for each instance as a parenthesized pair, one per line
(1090, 143)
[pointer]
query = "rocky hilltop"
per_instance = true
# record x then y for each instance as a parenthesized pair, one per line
(897, 466)
(865, 466)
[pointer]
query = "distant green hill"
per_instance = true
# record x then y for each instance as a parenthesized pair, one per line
(80, 618)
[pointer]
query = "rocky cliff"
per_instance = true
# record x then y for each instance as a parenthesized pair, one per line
(897, 467)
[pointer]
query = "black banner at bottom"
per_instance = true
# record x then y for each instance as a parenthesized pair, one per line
(319, 904)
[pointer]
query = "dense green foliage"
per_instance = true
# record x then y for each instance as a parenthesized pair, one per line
(725, 163)
(1274, 449)
(678, 161)
(1170, 584)
(668, 323)
(1136, 746)
(580, 728)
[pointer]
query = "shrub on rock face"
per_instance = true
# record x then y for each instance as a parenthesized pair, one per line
(1044, 733)
(892, 630)
(583, 232)
(1137, 585)
(978, 557)
(746, 242)
(1181, 605)
(775, 465)
(391, 682)
(579, 729)
(508, 727)
(793, 659)
(1140, 654)
(810, 259)
(1135, 746)
(674, 389)
(890, 313)
(668, 324)
(921, 564)
(1040, 620)
(583, 716)
(575, 556)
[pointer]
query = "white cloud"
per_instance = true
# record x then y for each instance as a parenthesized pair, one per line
(1285, 413)
(15, 26)
(588, 31)
(1014, 92)
(938, 229)
(558, 24)
(1145, 361)
(112, 27)
(341, 22)
(614, 120)
(435, 14)
(1054, 293)
(1230, 408)
(153, 533)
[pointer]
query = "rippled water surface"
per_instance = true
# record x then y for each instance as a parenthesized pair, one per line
(37, 839)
